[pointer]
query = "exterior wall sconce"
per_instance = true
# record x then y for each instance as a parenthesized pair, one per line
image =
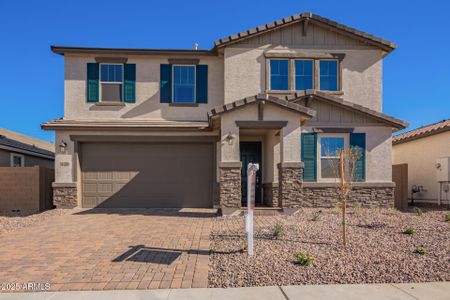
(63, 147)
(229, 138)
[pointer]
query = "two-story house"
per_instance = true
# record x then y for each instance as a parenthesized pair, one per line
(177, 128)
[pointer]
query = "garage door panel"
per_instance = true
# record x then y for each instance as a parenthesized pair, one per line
(147, 174)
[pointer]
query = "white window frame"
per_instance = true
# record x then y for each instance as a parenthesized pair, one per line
(110, 82)
(22, 159)
(312, 73)
(270, 75)
(173, 83)
(338, 79)
(319, 152)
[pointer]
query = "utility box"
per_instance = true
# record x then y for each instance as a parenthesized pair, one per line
(443, 169)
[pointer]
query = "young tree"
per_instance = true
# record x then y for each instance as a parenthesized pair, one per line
(344, 171)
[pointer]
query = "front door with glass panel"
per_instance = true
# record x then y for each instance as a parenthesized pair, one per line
(251, 153)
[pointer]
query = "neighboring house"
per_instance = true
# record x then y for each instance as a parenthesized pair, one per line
(18, 150)
(420, 148)
(176, 128)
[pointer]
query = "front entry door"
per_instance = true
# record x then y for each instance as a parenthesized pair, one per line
(250, 153)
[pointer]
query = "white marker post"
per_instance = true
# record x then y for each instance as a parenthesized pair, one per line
(251, 183)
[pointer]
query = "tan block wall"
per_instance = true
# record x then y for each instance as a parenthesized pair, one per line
(26, 189)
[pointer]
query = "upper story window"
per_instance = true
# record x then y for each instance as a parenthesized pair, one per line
(328, 75)
(304, 74)
(111, 82)
(183, 84)
(279, 74)
(17, 160)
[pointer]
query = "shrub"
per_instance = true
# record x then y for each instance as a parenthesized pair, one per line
(316, 215)
(447, 217)
(278, 230)
(409, 231)
(303, 259)
(420, 251)
(418, 211)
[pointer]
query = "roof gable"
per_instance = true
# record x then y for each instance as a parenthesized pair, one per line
(300, 24)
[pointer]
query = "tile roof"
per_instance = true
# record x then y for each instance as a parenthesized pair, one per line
(316, 19)
(261, 98)
(423, 131)
(10, 143)
(394, 122)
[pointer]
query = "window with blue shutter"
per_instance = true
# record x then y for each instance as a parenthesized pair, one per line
(165, 83)
(129, 83)
(92, 93)
(201, 80)
(309, 156)
(183, 84)
(358, 144)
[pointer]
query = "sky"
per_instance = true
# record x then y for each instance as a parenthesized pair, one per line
(416, 76)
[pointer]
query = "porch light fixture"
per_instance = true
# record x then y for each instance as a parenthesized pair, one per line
(62, 147)
(229, 138)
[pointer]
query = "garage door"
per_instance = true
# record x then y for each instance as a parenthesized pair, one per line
(147, 175)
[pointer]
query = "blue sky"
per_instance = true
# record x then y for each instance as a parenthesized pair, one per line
(416, 75)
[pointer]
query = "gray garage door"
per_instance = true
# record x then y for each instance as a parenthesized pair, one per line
(134, 175)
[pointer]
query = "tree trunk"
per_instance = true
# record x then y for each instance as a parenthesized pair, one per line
(343, 197)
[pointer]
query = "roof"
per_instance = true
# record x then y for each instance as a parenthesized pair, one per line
(306, 17)
(313, 94)
(219, 110)
(131, 51)
(123, 124)
(14, 141)
(422, 132)
(225, 41)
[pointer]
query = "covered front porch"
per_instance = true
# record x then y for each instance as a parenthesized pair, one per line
(264, 130)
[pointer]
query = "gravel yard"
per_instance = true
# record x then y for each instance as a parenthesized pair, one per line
(377, 251)
(14, 221)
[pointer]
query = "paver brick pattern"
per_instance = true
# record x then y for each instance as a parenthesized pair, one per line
(104, 249)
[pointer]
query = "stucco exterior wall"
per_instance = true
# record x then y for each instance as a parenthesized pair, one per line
(30, 161)
(245, 73)
(147, 104)
(421, 155)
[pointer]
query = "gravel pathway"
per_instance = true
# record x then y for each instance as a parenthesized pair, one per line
(14, 221)
(377, 251)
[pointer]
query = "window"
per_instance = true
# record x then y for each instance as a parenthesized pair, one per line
(279, 74)
(183, 84)
(111, 82)
(303, 74)
(329, 147)
(17, 160)
(328, 75)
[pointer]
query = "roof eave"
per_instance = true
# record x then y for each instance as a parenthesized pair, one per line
(62, 50)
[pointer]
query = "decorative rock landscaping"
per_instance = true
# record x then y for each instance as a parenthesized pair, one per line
(377, 250)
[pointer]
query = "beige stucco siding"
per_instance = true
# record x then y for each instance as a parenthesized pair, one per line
(421, 155)
(245, 73)
(147, 104)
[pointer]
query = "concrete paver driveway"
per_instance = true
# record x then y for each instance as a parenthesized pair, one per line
(103, 249)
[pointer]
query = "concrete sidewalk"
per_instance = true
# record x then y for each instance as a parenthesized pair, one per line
(408, 291)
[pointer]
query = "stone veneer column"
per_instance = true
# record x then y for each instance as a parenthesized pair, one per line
(230, 187)
(290, 185)
(271, 194)
(65, 195)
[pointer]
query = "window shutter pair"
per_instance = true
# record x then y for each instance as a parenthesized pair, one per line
(129, 83)
(309, 156)
(201, 83)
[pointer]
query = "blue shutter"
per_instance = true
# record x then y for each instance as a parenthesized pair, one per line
(201, 84)
(358, 143)
(92, 82)
(165, 83)
(309, 156)
(129, 83)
